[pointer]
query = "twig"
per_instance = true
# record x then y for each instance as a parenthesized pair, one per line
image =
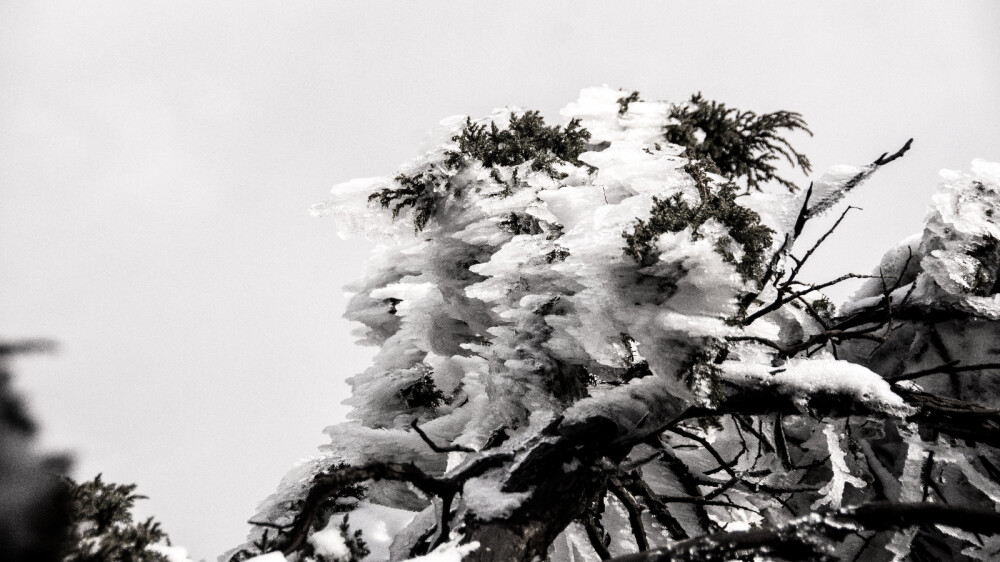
(657, 508)
(596, 534)
(949, 367)
(882, 160)
(803, 217)
(708, 447)
(703, 501)
(772, 264)
(779, 302)
(800, 262)
(434, 446)
(632, 465)
(269, 525)
(858, 178)
(634, 512)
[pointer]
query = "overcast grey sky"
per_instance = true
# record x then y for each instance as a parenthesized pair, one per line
(157, 160)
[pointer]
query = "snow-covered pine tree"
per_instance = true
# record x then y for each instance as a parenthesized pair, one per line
(594, 343)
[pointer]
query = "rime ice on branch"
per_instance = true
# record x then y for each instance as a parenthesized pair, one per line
(591, 343)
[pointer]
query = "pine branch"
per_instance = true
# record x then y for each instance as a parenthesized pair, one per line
(738, 144)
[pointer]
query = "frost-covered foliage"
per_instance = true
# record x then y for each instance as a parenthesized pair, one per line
(717, 203)
(591, 344)
(525, 139)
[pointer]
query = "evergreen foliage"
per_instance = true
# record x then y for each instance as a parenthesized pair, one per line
(422, 394)
(355, 544)
(520, 223)
(625, 101)
(102, 528)
(986, 252)
(737, 144)
(557, 255)
(824, 309)
(673, 214)
(416, 191)
(526, 139)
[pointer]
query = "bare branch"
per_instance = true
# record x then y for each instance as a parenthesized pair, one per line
(708, 447)
(596, 534)
(800, 220)
(269, 525)
(818, 339)
(883, 160)
(434, 446)
(947, 415)
(657, 508)
(950, 367)
(328, 484)
(860, 177)
(634, 512)
(772, 265)
(444, 529)
(779, 301)
(629, 466)
(800, 262)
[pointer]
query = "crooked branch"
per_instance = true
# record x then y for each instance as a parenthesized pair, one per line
(434, 446)
(328, 484)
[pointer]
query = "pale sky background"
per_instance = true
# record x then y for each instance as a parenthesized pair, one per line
(157, 160)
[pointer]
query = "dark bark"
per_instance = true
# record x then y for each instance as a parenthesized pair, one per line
(812, 537)
(565, 475)
(947, 415)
